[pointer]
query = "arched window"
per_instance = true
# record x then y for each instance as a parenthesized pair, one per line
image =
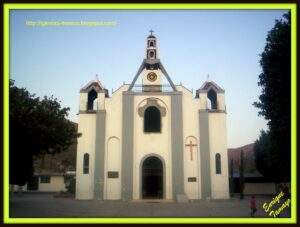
(151, 54)
(218, 163)
(212, 96)
(92, 95)
(151, 44)
(86, 163)
(152, 119)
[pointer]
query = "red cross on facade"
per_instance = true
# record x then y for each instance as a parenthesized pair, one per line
(191, 145)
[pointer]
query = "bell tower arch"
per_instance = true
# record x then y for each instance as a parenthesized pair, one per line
(151, 49)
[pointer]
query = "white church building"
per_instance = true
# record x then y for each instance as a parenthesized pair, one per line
(152, 139)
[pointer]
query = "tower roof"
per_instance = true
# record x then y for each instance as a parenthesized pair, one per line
(96, 85)
(210, 84)
(207, 85)
(151, 36)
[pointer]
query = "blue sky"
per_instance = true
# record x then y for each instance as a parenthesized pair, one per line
(59, 60)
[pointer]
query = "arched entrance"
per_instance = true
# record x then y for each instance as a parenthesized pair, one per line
(152, 178)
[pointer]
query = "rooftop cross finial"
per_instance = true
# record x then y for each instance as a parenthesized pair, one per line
(97, 77)
(207, 77)
(151, 31)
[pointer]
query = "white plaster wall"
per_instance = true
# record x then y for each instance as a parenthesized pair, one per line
(100, 102)
(202, 101)
(56, 184)
(113, 161)
(218, 144)
(152, 143)
(145, 81)
(221, 101)
(191, 132)
(83, 101)
(86, 144)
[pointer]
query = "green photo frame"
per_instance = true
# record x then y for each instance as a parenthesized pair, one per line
(287, 6)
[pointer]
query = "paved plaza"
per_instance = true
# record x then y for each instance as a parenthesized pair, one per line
(42, 205)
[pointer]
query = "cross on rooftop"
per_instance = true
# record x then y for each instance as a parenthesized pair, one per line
(151, 31)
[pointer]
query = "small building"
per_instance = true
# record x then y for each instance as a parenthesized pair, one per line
(53, 172)
(51, 182)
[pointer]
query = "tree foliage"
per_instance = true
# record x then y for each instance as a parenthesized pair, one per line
(273, 146)
(37, 127)
(70, 184)
(262, 149)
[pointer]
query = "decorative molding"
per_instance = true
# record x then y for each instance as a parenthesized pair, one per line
(152, 102)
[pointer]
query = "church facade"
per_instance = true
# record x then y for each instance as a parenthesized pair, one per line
(152, 139)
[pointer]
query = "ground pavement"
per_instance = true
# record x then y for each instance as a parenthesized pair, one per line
(45, 205)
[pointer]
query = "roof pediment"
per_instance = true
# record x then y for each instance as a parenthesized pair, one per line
(152, 64)
(94, 85)
(210, 85)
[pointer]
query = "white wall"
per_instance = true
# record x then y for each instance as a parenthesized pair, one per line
(221, 101)
(86, 144)
(113, 163)
(99, 103)
(113, 144)
(218, 144)
(83, 98)
(145, 81)
(191, 133)
(56, 184)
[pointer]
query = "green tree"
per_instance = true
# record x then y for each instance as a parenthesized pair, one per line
(37, 127)
(263, 153)
(275, 101)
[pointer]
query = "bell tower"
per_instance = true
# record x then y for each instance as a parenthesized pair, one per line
(151, 50)
(151, 76)
(151, 71)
